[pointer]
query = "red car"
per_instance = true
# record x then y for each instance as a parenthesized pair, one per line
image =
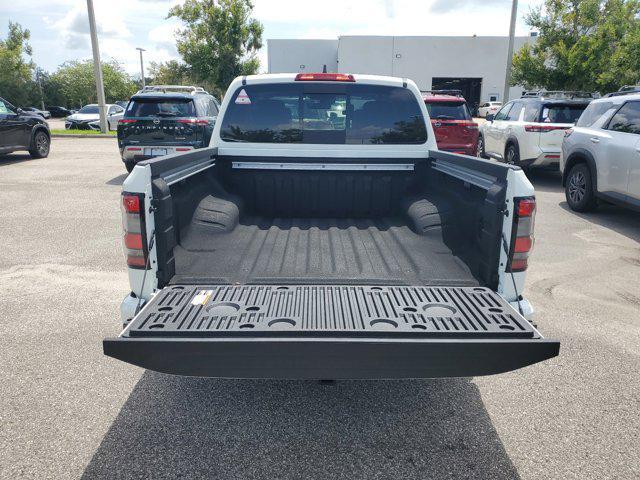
(452, 122)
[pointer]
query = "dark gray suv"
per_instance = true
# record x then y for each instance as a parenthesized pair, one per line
(165, 119)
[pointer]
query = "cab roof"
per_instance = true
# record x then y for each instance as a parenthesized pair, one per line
(291, 77)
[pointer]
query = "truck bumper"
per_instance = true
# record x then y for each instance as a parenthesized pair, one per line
(330, 332)
(525, 308)
(139, 153)
(303, 358)
(128, 308)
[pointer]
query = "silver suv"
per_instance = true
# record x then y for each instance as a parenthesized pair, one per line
(601, 154)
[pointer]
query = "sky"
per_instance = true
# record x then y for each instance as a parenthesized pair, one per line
(59, 28)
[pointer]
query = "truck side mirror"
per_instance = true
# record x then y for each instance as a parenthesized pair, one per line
(490, 117)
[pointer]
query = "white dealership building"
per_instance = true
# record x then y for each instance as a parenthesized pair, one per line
(475, 65)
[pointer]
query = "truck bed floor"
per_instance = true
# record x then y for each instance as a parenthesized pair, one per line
(328, 250)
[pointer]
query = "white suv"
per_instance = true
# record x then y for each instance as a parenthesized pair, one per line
(601, 154)
(528, 132)
(489, 108)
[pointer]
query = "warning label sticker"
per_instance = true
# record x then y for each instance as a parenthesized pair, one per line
(202, 297)
(243, 98)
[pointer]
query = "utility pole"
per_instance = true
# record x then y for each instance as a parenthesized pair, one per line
(38, 75)
(141, 65)
(512, 32)
(97, 68)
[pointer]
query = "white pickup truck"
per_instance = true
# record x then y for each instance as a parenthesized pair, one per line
(323, 235)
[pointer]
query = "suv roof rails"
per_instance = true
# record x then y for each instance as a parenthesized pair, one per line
(560, 94)
(172, 88)
(625, 90)
(454, 93)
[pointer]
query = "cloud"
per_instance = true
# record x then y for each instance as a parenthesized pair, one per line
(163, 36)
(445, 6)
(389, 7)
(73, 27)
(59, 28)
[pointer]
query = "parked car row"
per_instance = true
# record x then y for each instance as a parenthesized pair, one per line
(43, 113)
(50, 112)
(88, 117)
(595, 142)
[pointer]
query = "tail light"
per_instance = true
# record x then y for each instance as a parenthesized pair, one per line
(126, 120)
(135, 238)
(542, 128)
(522, 238)
(324, 77)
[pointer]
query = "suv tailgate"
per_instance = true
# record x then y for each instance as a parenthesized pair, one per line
(337, 332)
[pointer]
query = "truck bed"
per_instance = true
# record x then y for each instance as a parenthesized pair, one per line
(282, 271)
(365, 251)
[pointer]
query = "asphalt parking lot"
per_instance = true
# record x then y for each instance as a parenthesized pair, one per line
(69, 412)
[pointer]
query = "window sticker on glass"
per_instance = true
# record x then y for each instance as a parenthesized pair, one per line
(243, 98)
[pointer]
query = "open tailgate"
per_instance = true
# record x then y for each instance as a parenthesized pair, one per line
(329, 332)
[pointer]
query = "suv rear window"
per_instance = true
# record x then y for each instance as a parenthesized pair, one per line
(321, 113)
(558, 113)
(160, 107)
(448, 110)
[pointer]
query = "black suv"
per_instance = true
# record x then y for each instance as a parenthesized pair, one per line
(164, 119)
(20, 130)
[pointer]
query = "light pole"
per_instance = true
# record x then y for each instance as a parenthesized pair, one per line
(97, 68)
(141, 65)
(512, 32)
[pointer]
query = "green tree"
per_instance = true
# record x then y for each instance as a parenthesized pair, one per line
(16, 72)
(220, 40)
(76, 82)
(591, 45)
(51, 91)
(170, 73)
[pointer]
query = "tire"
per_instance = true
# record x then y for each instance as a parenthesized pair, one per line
(512, 155)
(579, 189)
(41, 145)
(129, 165)
(480, 153)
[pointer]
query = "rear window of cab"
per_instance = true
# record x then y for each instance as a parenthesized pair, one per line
(448, 110)
(324, 113)
(160, 107)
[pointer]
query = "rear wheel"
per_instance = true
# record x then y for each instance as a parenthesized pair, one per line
(40, 146)
(512, 155)
(480, 149)
(579, 189)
